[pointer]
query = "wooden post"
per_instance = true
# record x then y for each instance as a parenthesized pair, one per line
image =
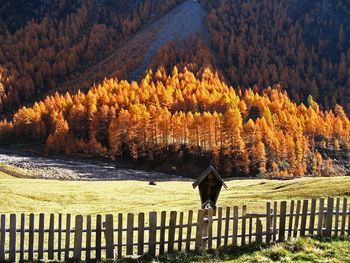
(141, 234)
(180, 238)
(304, 218)
(3, 238)
(235, 226)
(59, 248)
(312, 217)
(250, 232)
(130, 234)
(51, 237)
(120, 236)
(31, 238)
(330, 204)
(268, 222)
(199, 229)
(343, 221)
(162, 232)
(189, 230)
(210, 228)
(13, 241)
(282, 226)
(258, 231)
(21, 247)
(296, 225)
(275, 207)
(41, 237)
(88, 239)
(172, 228)
(98, 237)
(336, 225)
(109, 238)
(78, 237)
(67, 242)
(291, 217)
(244, 213)
(152, 233)
(227, 226)
(219, 229)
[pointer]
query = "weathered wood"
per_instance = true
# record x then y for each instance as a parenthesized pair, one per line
(343, 221)
(120, 236)
(13, 241)
(268, 222)
(22, 235)
(31, 238)
(59, 245)
(312, 217)
(304, 218)
(172, 228)
(98, 237)
(219, 228)
(291, 218)
(180, 237)
(296, 225)
(51, 237)
(259, 235)
(336, 223)
(227, 226)
(320, 218)
(250, 232)
(109, 233)
(235, 226)
(274, 234)
(329, 218)
(78, 237)
(3, 238)
(67, 241)
(199, 229)
(162, 232)
(210, 228)
(130, 234)
(244, 212)
(141, 234)
(41, 236)
(189, 230)
(282, 226)
(88, 239)
(349, 223)
(152, 233)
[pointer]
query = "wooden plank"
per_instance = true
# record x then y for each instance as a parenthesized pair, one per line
(259, 234)
(304, 218)
(51, 237)
(41, 237)
(59, 246)
(210, 228)
(109, 233)
(120, 236)
(219, 228)
(88, 238)
(172, 229)
(31, 238)
(250, 232)
(320, 218)
(282, 226)
(152, 233)
(244, 212)
(22, 240)
(162, 232)
(291, 217)
(141, 234)
(312, 217)
(3, 238)
(296, 225)
(274, 234)
(13, 241)
(98, 237)
(227, 226)
(199, 229)
(336, 223)
(268, 222)
(329, 218)
(67, 241)
(343, 221)
(235, 226)
(189, 230)
(130, 234)
(78, 237)
(180, 237)
(349, 223)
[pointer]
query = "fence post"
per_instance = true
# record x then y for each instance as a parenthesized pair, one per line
(291, 217)
(162, 232)
(67, 242)
(330, 204)
(152, 233)
(13, 232)
(219, 229)
(268, 222)
(130, 234)
(312, 217)
(59, 248)
(210, 228)
(244, 213)
(296, 225)
(189, 230)
(141, 234)
(304, 218)
(172, 228)
(227, 226)
(109, 237)
(343, 221)
(282, 226)
(181, 222)
(41, 236)
(320, 218)
(199, 229)
(336, 217)
(88, 239)
(51, 237)
(31, 238)
(98, 236)
(120, 236)
(78, 237)
(235, 226)
(3, 238)
(21, 247)
(258, 231)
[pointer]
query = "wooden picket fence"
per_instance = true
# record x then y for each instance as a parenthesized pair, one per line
(37, 237)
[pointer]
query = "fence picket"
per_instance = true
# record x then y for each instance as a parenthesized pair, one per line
(162, 232)
(291, 217)
(51, 237)
(275, 221)
(172, 228)
(199, 229)
(141, 234)
(312, 217)
(336, 223)
(98, 237)
(3, 238)
(120, 236)
(304, 218)
(268, 222)
(59, 246)
(296, 225)
(210, 228)
(152, 233)
(41, 236)
(244, 212)
(227, 226)
(13, 241)
(109, 234)
(78, 237)
(130, 234)
(67, 241)
(329, 218)
(258, 231)
(235, 226)
(22, 236)
(88, 239)
(349, 222)
(320, 218)
(343, 221)
(180, 238)
(31, 238)
(189, 230)
(282, 226)
(250, 231)
(219, 228)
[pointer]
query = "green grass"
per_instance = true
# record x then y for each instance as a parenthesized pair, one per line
(32, 195)
(299, 250)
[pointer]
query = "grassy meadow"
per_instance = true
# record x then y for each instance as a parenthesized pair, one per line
(19, 195)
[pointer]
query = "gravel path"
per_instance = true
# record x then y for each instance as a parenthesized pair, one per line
(65, 169)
